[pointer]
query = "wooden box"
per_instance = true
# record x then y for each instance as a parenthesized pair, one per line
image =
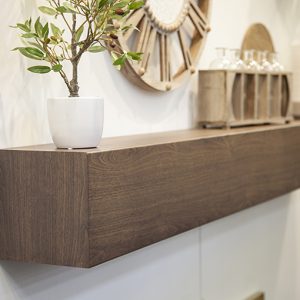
(230, 98)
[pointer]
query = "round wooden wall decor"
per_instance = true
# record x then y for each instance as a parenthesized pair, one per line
(259, 38)
(171, 35)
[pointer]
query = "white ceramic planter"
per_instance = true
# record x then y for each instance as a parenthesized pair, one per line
(76, 122)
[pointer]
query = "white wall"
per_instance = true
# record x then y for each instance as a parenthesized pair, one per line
(226, 260)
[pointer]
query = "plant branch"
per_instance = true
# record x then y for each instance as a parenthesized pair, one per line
(53, 61)
(46, 41)
(61, 14)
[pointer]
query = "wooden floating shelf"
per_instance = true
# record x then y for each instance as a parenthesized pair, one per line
(84, 207)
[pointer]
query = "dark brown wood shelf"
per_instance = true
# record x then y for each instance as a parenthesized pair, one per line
(84, 207)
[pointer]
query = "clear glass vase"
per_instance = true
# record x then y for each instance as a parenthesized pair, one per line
(276, 66)
(250, 62)
(236, 63)
(221, 62)
(266, 66)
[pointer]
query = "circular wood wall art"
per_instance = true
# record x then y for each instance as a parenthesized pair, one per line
(171, 35)
(259, 38)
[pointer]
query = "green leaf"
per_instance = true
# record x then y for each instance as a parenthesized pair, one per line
(55, 30)
(35, 52)
(32, 53)
(135, 55)
(45, 31)
(102, 3)
(136, 5)
(121, 4)
(28, 23)
(62, 9)
(24, 52)
(28, 35)
(114, 57)
(48, 10)
(79, 33)
(22, 27)
(96, 49)
(127, 27)
(120, 61)
(57, 68)
(38, 27)
(39, 69)
(36, 45)
(70, 8)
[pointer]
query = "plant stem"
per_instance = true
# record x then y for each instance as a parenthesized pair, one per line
(65, 78)
(75, 61)
(74, 81)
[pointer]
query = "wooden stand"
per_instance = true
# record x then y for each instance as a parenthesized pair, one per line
(229, 98)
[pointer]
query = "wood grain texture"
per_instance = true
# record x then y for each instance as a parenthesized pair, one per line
(150, 193)
(43, 207)
(85, 207)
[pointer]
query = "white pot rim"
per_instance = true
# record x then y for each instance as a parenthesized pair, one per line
(76, 98)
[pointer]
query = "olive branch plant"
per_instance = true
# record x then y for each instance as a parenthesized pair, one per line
(90, 26)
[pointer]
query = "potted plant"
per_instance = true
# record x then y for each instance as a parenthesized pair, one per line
(88, 26)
